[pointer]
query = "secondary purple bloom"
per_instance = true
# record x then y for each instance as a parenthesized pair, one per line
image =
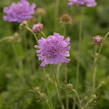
(76, 2)
(18, 12)
(98, 39)
(88, 3)
(53, 50)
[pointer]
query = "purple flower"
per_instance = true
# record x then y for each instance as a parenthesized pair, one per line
(98, 39)
(18, 12)
(76, 2)
(88, 3)
(53, 50)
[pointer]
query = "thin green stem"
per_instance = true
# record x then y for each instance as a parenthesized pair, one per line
(39, 19)
(64, 27)
(7, 38)
(43, 34)
(105, 37)
(57, 88)
(3, 39)
(56, 13)
(77, 74)
(78, 98)
(90, 101)
(29, 29)
(15, 53)
(98, 87)
(66, 75)
(80, 41)
(49, 101)
(49, 105)
(95, 68)
(96, 55)
(74, 103)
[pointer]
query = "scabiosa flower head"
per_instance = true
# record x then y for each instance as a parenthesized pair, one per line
(37, 27)
(72, 2)
(98, 39)
(53, 50)
(88, 3)
(66, 19)
(18, 12)
(76, 2)
(41, 12)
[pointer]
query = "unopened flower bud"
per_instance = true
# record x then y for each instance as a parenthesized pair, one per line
(37, 89)
(94, 96)
(102, 82)
(37, 27)
(23, 24)
(41, 12)
(66, 19)
(98, 40)
(69, 86)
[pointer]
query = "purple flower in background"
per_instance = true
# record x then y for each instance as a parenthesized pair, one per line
(88, 3)
(53, 50)
(18, 12)
(76, 2)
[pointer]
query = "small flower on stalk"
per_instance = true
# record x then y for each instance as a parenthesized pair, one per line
(66, 19)
(23, 24)
(69, 86)
(88, 3)
(18, 12)
(53, 50)
(98, 40)
(41, 12)
(37, 27)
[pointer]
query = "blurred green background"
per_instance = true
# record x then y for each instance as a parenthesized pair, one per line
(20, 70)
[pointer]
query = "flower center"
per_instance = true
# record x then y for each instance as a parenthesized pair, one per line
(51, 52)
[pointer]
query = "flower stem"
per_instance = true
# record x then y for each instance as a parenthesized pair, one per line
(29, 29)
(49, 100)
(80, 41)
(56, 13)
(107, 34)
(78, 98)
(49, 105)
(66, 75)
(39, 19)
(57, 88)
(43, 34)
(90, 101)
(3, 39)
(74, 103)
(95, 68)
(96, 55)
